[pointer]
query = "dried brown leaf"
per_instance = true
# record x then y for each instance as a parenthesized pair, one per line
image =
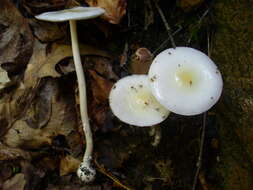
(33, 172)
(61, 122)
(8, 153)
(17, 182)
(44, 59)
(4, 79)
(72, 186)
(16, 39)
(23, 136)
(99, 103)
(46, 31)
(141, 61)
(203, 182)
(100, 88)
(114, 9)
(48, 163)
(13, 105)
(187, 5)
(100, 114)
(36, 116)
(101, 65)
(36, 7)
(68, 165)
(6, 172)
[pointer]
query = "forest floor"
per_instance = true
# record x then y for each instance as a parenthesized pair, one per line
(41, 136)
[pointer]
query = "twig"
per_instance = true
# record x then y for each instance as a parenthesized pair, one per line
(199, 162)
(149, 14)
(198, 24)
(166, 41)
(203, 16)
(113, 178)
(124, 56)
(208, 45)
(165, 23)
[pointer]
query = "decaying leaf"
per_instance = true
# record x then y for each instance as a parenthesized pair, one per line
(48, 162)
(166, 171)
(13, 105)
(16, 39)
(62, 120)
(46, 31)
(99, 101)
(102, 65)
(141, 61)
(115, 9)
(68, 165)
(44, 60)
(33, 173)
(17, 182)
(23, 136)
(5, 172)
(7, 153)
(203, 182)
(34, 110)
(4, 79)
(100, 88)
(36, 7)
(73, 186)
(186, 5)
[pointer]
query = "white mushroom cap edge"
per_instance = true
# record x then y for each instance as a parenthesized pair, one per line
(185, 81)
(132, 102)
(76, 13)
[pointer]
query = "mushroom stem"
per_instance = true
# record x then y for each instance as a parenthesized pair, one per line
(85, 172)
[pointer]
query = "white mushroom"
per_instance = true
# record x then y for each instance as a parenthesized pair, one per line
(85, 171)
(185, 80)
(132, 102)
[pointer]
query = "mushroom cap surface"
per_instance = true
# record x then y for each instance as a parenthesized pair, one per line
(132, 102)
(76, 13)
(185, 80)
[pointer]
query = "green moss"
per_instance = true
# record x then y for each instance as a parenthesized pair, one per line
(233, 52)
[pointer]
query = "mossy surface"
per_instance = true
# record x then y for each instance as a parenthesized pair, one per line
(232, 50)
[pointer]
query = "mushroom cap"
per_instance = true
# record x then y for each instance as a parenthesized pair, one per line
(185, 80)
(76, 13)
(132, 102)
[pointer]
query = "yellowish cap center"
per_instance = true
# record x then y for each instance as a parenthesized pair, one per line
(185, 78)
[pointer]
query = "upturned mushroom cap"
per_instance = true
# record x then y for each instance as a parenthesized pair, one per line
(132, 102)
(76, 13)
(185, 81)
